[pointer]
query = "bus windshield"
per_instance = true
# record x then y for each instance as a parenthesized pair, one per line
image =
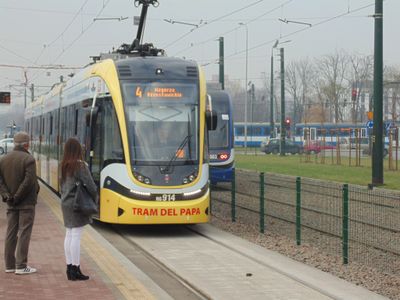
(162, 121)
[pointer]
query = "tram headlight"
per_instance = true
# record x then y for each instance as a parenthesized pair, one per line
(190, 178)
(141, 178)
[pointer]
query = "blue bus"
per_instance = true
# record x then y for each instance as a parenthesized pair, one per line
(222, 155)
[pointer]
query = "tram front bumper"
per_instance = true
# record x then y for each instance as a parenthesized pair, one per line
(119, 209)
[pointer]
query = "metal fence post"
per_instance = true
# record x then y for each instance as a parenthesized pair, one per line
(233, 194)
(345, 229)
(262, 213)
(298, 211)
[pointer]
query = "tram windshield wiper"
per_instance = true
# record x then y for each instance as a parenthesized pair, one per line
(180, 148)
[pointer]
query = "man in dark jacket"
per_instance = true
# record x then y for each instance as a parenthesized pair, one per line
(19, 188)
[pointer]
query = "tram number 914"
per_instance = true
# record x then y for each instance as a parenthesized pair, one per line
(166, 197)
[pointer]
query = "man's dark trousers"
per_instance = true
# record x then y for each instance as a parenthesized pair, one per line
(19, 230)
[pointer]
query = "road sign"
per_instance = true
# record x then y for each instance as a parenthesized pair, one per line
(370, 124)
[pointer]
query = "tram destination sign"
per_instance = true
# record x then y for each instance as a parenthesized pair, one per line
(158, 92)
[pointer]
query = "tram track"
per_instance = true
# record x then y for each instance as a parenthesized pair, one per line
(176, 286)
(217, 265)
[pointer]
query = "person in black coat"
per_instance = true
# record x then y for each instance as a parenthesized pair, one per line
(73, 170)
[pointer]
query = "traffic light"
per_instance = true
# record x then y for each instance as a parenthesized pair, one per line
(5, 97)
(353, 95)
(287, 123)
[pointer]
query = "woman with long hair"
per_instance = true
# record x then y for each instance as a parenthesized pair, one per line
(73, 170)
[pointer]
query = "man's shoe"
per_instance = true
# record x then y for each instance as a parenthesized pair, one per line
(10, 270)
(25, 271)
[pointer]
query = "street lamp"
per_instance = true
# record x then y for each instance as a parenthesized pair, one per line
(272, 121)
(246, 96)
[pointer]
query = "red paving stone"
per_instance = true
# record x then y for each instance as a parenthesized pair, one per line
(46, 253)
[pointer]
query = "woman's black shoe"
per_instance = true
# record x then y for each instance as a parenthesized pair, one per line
(76, 274)
(69, 271)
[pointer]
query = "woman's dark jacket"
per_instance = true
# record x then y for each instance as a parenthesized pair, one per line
(72, 218)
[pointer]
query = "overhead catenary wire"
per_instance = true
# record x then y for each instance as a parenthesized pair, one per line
(50, 67)
(329, 19)
(77, 38)
(236, 28)
(17, 55)
(63, 32)
(212, 21)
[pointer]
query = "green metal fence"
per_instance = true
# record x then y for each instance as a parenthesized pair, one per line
(352, 222)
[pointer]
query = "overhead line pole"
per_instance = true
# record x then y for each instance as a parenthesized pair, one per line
(271, 105)
(221, 63)
(245, 87)
(283, 129)
(377, 138)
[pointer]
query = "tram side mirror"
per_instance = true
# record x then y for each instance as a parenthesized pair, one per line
(211, 117)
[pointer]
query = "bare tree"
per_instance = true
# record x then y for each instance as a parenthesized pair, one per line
(392, 90)
(332, 70)
(238, 95)
(361, 73)
(299, 76)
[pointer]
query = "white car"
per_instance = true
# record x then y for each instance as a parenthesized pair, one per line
(6, 145)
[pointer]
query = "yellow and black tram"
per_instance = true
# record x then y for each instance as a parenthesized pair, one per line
(143, 124)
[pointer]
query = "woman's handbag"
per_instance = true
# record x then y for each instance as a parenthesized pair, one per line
(83, 201)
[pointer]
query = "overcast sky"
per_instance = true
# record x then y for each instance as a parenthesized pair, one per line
(43, 32)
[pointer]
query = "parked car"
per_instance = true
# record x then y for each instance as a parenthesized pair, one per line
(6, 145)
(363, 144)
(273, 146)
(314, 147)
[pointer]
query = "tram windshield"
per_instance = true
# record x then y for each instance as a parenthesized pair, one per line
(219, 136)
(162, 121)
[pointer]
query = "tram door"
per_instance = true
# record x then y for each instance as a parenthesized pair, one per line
(94, 136)
(105, 138)
(310, 134)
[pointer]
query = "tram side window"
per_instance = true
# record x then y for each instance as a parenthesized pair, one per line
(363, 132)
(239, 130)
(76, 122)
(36, 133)
(53, 134)
(70, 121)
(45, 132)
(97, 144)
(64, 126)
